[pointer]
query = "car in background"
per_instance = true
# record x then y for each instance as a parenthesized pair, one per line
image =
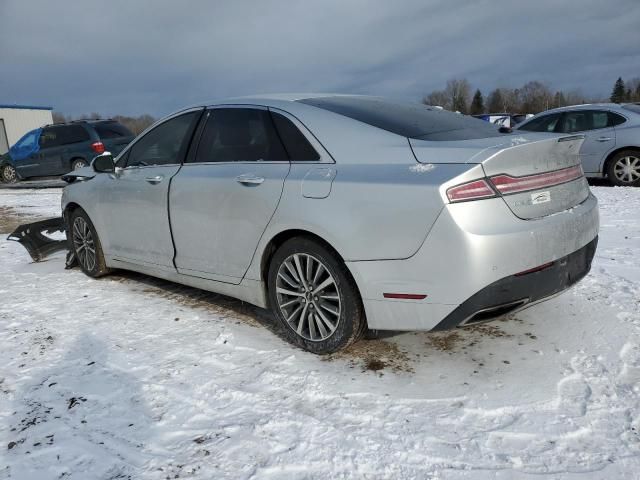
(612, 137)
(59, 148)
(508, 120)
(340, 213)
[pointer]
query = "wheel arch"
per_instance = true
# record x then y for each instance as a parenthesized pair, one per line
(278, 239)
(613, 153)
(68, 210)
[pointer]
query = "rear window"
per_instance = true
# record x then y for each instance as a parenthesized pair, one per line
(411, 120)
(632, 107)
(112, 130)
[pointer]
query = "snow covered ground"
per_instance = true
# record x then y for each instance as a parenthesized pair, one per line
(131, 377)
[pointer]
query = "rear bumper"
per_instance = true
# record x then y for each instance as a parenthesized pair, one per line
(471, 247)
(514, 292)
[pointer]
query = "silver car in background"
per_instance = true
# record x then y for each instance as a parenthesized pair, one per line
(611, 148)
(341, 213)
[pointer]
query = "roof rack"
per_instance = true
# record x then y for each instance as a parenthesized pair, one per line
(79, 121)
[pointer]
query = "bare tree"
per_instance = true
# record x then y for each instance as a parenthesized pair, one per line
(459, 93)
(438, 98)
(536, 97)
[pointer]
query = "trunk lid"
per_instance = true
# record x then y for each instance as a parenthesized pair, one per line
(521, 157)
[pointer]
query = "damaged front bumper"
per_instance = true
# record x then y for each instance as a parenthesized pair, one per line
(34, 238)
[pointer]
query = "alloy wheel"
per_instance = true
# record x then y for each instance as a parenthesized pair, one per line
(84, 244)
(9, 174)
(77, 165)
(627, 169)
(308, 297)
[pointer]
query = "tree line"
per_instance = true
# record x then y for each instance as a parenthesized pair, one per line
(532, 97)
(135, 124)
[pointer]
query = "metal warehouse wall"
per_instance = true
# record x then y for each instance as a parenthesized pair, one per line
(18, 121)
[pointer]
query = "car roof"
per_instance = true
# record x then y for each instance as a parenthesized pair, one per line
(586, 106)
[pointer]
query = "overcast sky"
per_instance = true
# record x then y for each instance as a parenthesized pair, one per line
(133, 57)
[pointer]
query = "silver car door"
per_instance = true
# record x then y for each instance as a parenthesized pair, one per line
(600, 139)
(135, 202)
(222, 199)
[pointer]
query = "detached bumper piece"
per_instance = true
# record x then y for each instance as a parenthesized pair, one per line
(32, 236)
(510, 293)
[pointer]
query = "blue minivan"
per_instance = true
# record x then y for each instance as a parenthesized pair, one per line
(59, 148)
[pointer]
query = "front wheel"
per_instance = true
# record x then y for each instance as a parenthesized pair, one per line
(624, 169)
(8, 174)
(314, 297)
(86, 245)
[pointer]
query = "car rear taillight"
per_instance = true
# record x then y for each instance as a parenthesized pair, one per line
(475, 190)
(98, 147)
(506, 184)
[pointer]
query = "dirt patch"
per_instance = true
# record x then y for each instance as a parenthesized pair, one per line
(10, 219)
(445, 341)
(374, 355)
(461, 339)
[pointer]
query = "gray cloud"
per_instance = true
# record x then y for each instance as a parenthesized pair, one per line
(133, 57)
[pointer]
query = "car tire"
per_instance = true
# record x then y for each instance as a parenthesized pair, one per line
(8, 174)
(78, 163)
(86, 245)
(624, 169)
(321, 321)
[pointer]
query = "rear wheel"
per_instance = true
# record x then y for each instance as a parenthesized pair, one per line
(78, 163)
(624, 169)
(314, 297)
(86, 245)
(8, 174)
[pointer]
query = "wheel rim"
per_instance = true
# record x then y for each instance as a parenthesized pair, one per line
(627, 169)
(308, 297)
(84, 244)
(79, 164)
(9, 173)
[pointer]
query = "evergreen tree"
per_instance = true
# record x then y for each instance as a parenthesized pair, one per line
(477, 104)
(559, 99)
(637, 96)
(618, 93)
(495, 101)
(629, 96)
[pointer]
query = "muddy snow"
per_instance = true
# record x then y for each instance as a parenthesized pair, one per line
(132, 377)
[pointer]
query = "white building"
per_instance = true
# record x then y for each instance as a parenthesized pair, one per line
(16, 120)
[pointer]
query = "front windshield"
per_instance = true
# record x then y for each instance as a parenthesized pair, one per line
(26, 146)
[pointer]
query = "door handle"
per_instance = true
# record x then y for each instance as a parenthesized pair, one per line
(155, 180)
(249, 179)
(604, 139)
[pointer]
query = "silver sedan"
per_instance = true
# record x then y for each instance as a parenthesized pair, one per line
(611, 148)
(341, 213)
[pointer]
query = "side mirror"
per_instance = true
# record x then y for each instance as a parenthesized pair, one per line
(104, 163)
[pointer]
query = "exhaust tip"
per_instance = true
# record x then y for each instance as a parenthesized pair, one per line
(491, 313)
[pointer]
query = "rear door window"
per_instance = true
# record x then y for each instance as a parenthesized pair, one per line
(111, 130)
(166, 144)
(546, 123)
(240, 135)
(584, 120)
(64, 135)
